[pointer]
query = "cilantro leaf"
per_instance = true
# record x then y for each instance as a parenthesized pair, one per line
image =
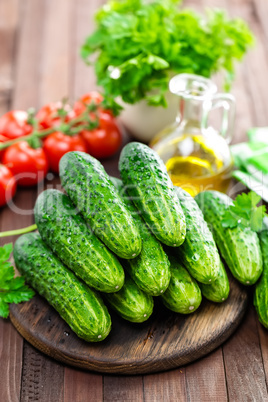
(5, 252)
(245, 213)
(12, 290)
(4, 310)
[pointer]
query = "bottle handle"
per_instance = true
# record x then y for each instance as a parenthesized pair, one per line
(227, 103)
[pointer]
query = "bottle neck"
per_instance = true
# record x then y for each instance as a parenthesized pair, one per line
(191, 112)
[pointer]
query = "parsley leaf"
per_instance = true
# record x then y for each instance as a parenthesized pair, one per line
(12, 290)
(139, 44)
(245, 213)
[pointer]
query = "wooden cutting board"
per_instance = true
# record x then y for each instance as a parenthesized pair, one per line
(165, 341)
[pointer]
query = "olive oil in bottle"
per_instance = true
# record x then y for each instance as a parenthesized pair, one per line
(197, 157)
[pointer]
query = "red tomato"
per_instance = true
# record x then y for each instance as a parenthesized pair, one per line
(105, 140)
(14, 124)
(28, 165)
(79, 106)
(7, 185)
(48, 117)
(57, 144)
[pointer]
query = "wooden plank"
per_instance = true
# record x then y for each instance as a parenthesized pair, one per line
(29, 55)
(205, 379)
(264, 348)
(11, 361)
(9, 10)
(243, 363)
(122, 389)
(84, 77)
(42, 378)
(259, 8)
(17, 215)
(55, 74)
(257, 95)
(11, 343)
(169, 386)
(80, 386)
(27, 93)
(255, 72)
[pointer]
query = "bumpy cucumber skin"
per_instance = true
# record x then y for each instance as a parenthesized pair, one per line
(198, 252)
(218, 291)
(183, 294)
(147, 181)
(261, 287)
(90, 189)
(81, 307)
(150, 269)
(131, 303)
(239, 247)
(66, 233)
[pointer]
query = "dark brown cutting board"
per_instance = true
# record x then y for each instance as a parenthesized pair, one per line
(165, 341)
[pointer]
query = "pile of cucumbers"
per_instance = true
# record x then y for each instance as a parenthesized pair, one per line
(120, 243)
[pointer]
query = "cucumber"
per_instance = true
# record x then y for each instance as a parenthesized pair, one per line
(239, 247)
(183, 294)
(81, 307)
(198, 252)
(91, 190)
(146, 179)
(66, 233)
(261, 287)
(131, 303)
(150, 269)
(218, 291)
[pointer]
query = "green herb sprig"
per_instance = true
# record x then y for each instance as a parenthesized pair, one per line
(245, 213)
(12, 290)
(140, 44)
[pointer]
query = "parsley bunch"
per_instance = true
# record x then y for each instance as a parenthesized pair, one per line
(139, 44)
(12, 290)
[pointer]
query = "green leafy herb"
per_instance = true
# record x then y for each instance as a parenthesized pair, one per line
(245, 213)
(12, 290)
(139, 45)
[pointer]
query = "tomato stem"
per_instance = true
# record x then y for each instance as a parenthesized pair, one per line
(18, 231)
(37, 134)
(71, 128)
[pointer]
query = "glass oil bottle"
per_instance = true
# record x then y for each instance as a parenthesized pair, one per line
(197, 156)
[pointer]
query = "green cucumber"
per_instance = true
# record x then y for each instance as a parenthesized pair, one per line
(239, 247)
(90, 189)
(66, 233)
(150, 269)
(81, 307)
(218, 291)
(131, 303)
(183, 294)
(147, 181)
(261, 287)
(198, 252)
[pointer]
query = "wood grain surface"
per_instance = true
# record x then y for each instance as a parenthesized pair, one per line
(236, 371)
(165, 341)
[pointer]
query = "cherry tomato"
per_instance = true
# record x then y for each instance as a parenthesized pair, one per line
(7, 185)
(105, 140)
(28, 165)
(80, 105)
(14, 124)
(48, 117)
(57, 144)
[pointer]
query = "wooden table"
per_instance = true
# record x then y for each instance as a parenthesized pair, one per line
(39, 62)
